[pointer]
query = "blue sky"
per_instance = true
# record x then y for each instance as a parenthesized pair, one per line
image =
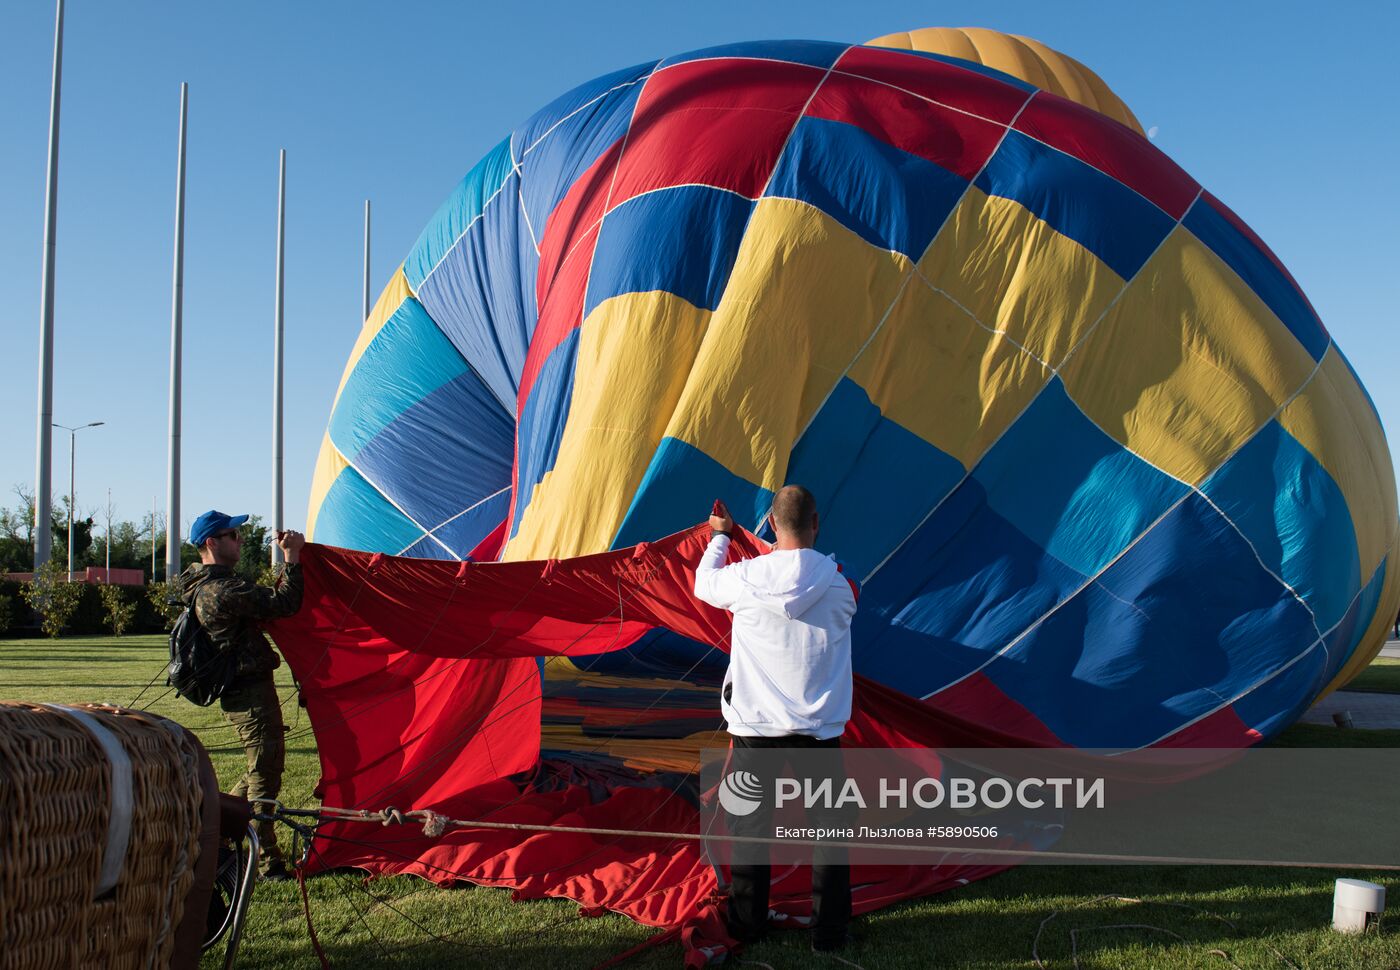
(1284, 113)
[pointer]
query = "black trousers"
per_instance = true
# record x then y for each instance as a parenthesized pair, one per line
(750, 872)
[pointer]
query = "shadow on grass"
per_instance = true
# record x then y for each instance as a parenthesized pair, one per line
(105, 656)
(432, 953)
(86, 686)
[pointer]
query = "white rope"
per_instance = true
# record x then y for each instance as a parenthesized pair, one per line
(1112, 897)
(435, 824)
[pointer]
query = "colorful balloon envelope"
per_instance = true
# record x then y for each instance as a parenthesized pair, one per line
(1105, 478)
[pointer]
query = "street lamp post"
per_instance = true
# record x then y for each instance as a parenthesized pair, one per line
(72, 478)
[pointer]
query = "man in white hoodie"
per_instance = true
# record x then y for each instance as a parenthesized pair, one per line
(788, 686)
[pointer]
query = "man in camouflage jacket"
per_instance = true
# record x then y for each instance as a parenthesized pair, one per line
(230, 609)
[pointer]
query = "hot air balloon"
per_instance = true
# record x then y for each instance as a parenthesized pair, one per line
(1105, 478)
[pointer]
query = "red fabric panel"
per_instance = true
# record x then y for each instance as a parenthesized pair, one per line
(713, 122)
(561, 312)
(938, 81)
(1223, 729)
(489, 549)
(575, 214)
(480, 611)
(955, 140)
(657, 882)
(1111, 148)
(432, 718)
(971, 700)
(882, 717)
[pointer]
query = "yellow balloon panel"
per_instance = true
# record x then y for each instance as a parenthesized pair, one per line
(1188, 364)
(635, 354)
(1015, 274)
(937, 371)
(805, 294)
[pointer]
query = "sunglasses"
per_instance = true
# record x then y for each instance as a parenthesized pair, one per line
(231, 534)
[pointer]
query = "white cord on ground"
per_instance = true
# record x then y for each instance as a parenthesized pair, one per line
(1074, 933)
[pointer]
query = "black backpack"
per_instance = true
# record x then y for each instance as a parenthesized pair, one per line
(199, 671)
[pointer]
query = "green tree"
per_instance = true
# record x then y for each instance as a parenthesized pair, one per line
(188, 553)
(82, 536)
(256, 551)
(119, 609)
(148, 533)
(160, 595)
(51, 596)
(129, 551)
(7, 606)
(268, 575)
(17, 533)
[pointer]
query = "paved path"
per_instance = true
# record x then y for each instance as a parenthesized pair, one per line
(1368, 709)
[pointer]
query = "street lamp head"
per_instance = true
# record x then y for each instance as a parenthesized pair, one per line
(94, 424)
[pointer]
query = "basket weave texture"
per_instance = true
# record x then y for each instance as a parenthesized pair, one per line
(55, 805)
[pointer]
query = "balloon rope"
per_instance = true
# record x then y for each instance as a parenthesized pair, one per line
(310, 929)
(435, 825)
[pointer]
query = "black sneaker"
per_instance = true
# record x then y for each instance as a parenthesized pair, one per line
(748, 937)
(277, 872)
(831, 944)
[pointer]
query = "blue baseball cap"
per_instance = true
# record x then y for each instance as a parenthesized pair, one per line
(211, 522)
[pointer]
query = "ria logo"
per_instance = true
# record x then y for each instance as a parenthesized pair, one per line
(740, 793)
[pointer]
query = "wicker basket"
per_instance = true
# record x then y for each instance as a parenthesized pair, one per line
(58, 835)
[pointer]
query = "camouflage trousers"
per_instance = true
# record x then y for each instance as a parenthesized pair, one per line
(256, 714)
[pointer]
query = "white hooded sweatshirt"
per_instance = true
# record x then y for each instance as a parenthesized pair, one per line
(790, 653)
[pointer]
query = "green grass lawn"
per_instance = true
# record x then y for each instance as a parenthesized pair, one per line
(1202, 917)
(1383, 675)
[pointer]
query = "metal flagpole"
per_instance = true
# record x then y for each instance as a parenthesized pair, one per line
(43, 460)
(364, 315)
(72, 495)
(177, 300)
(108, 577)
(277, 525)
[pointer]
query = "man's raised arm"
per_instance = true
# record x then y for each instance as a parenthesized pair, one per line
(714, 582)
